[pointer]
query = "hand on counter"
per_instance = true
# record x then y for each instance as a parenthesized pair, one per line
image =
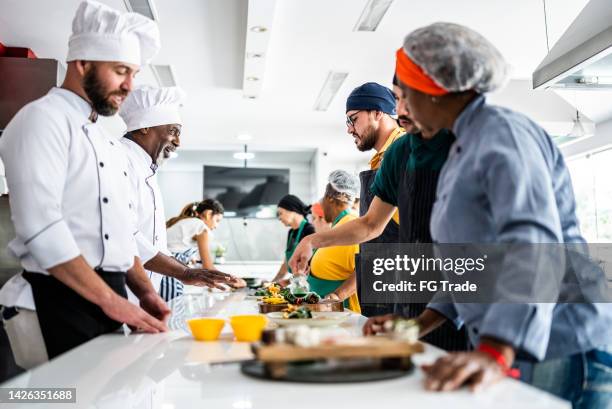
(206, 278)
(450, 372)
(156, 306)
(121, 310)
(332, 296)
(237, 282)
(376, 325)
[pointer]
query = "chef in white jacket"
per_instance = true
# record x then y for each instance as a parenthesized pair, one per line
(70, 198)
(153, 132)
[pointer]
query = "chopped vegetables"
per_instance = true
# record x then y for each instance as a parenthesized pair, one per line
(276, 299)
(294, 312)
(273, 294)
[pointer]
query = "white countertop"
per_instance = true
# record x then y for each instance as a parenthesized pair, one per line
(171, 370)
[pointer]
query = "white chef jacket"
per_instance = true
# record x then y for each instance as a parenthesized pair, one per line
(151, 221)
(69, 191)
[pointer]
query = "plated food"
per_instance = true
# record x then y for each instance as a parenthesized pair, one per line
(295, 316)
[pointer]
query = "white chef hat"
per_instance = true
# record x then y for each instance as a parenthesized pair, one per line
(146, 107)
(100, 33)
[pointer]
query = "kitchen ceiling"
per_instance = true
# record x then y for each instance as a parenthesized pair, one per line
(204, 42)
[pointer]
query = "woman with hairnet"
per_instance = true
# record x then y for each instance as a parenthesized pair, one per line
(332, 269)
(505, 181)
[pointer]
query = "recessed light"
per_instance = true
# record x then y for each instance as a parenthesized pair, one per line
(244, 155)
(253, 79)
(259, 29)
(244, 137)
(255, 55)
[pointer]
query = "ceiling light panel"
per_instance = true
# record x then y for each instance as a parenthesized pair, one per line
(164, 74)
(330, 88)
(372, 14)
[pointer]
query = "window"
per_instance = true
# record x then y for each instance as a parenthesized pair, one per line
(593, 190)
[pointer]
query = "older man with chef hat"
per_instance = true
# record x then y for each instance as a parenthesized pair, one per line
(70, 198)
(153, 132)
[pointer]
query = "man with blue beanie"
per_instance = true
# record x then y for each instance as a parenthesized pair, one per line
(370, 112)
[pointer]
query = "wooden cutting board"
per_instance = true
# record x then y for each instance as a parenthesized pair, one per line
(371, 347)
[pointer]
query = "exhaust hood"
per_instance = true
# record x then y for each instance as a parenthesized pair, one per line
(582, 58)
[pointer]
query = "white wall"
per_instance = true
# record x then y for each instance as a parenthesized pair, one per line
(179, 188)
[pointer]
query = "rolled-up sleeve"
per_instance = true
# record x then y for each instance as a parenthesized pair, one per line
(35, 151)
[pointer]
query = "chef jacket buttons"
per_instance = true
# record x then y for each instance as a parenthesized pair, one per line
(105, 200)
(101, 164)
(124, 173)
(106, 236)
(112, 143)
(458, 149)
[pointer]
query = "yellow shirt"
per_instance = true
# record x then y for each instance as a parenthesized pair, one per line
(377, 159)
(337, 263)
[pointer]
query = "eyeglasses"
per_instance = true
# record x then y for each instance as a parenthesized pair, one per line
(350, 119)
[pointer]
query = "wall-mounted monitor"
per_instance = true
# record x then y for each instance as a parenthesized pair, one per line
(246, 192)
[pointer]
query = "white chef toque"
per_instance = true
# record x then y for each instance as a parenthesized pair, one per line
(100, 33)
(146, 107)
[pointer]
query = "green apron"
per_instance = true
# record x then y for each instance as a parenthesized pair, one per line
(324, 287)
(292, 244)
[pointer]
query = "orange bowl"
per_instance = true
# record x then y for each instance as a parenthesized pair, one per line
(248, 328)
(206, 329)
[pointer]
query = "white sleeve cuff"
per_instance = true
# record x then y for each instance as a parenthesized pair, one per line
(53, 245)
(146, 249)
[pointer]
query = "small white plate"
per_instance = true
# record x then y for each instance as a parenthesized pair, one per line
(319, 319)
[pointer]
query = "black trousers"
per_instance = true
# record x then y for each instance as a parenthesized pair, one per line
(68, 320)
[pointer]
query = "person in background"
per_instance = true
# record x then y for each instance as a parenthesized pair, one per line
(505, 181)
(318, 218)
(292, 212)
(153, 132)
(332, 269)
(355, 206)
(189, 234)
(70, 198)
(370, 112)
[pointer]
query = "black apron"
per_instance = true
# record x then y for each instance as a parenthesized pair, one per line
(389, 235)
(68, 320)
(416, 196)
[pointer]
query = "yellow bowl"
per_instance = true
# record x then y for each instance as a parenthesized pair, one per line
(206, 329)
(248, 328)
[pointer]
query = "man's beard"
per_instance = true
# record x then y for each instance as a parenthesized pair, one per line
(96, 93)
(163, 156)
(368, 141)
(410, 126)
